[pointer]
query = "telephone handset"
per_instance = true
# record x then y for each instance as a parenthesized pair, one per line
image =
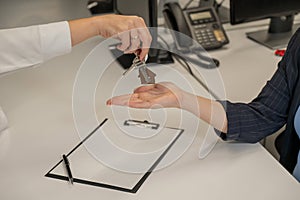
(202, 24)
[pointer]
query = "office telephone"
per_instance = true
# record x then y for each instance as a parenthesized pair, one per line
(201, 23)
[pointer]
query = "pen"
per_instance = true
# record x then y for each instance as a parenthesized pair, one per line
(67, 164)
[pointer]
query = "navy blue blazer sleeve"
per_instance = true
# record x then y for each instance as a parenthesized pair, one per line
(268, 112)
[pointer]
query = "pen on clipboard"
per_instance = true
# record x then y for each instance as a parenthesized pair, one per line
(67, 165)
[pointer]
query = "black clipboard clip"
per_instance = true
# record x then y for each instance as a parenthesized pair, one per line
(141, 124)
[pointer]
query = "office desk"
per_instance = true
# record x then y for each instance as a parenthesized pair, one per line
(245, 65)
(38, 104)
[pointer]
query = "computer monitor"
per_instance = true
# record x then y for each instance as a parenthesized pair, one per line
(281, 13)
(222, 11)
(147, 9)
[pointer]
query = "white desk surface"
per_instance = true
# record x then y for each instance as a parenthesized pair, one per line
(245, 65)
(38, 104)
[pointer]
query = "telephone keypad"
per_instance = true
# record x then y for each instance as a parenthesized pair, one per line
(206, 36)
(204, 26)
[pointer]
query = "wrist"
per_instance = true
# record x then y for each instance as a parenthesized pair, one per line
(102, 26)
(83, 29)
(95, 24)
(188, 101)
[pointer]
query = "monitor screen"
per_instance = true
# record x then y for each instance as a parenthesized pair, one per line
(146, 9)
(250, 10)
(281, 13)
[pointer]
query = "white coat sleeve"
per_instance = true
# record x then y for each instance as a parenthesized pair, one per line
(28, 46)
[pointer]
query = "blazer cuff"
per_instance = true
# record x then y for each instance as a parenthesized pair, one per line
(232, 134)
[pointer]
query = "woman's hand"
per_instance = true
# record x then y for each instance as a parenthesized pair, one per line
(160, 95)
(131, 30)
(168, 95)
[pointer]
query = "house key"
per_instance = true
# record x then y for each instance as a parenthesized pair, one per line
(146, 76)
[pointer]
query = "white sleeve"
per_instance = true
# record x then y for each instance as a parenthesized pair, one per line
(27, 46)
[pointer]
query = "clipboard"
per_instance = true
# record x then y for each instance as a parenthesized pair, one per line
(87, 169)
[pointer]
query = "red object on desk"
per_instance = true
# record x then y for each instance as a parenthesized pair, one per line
(280, 52)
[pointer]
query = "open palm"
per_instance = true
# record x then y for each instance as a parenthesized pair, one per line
(150, 96)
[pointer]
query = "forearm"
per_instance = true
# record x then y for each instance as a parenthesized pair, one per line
(83, 29)
(208, 110)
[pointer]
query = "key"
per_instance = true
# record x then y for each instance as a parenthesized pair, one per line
(135, 61)
(146, 76)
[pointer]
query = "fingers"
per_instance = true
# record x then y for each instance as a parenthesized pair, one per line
(141, 104)
(134, 42)
(135, 37)
(119, 100)
(145, 37)
(161, 95)
(125, 41)
(134, 100)
(130, 41)
(124, 100)
(154, 88)
(146, 40)
(144, 88)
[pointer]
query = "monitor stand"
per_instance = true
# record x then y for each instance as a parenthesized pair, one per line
(159, 56)
(278, 35)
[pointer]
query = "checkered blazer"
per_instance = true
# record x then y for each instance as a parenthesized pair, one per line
(274, 107)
